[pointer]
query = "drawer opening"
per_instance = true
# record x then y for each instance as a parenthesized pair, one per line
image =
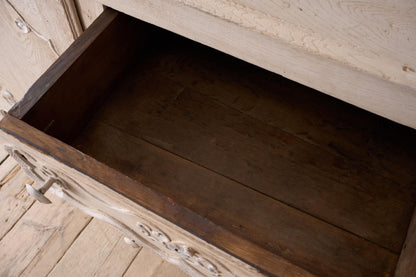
(323, 184)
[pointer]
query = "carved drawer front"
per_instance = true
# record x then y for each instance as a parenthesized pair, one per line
(141, 226)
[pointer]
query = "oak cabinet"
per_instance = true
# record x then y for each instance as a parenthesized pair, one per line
(221, 167)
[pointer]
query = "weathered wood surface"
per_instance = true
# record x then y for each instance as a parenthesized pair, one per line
(14, 201)
(33, 34)
(353, 58)
(82, 259)
(12, 210)
(177, 138)
(150, 264)
(88, 11)
(7, 165)
(47, 233)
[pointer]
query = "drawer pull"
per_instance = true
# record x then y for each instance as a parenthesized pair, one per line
(38, 194)
(39, 174)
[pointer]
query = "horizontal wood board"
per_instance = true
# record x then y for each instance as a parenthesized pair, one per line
(359, 63)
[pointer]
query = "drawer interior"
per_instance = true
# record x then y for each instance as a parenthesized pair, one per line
(323, 184)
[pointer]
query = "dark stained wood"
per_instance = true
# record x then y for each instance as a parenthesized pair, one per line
(406, 267)
(335, 126)
(263, 157)
(63, 98)
(239, 220)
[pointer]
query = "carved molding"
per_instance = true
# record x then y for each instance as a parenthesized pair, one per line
(71, 15)
(185, 252)
(26, 28)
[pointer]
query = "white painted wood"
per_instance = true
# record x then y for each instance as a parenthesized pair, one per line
(369, 62)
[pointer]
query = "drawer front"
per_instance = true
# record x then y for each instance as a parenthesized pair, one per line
(141, 226)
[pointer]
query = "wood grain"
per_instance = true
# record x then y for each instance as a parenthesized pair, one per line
(83, 258)
(14, 201)
(88, 11)
(7, 167)
(384, 85)
(168, 115)
(309, 234)
(147, 263)
(200, 229)
(25, 56)
(344, 130)
(15, 180)
(47, 233)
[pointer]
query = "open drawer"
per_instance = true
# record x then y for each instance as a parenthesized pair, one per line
(219, 166)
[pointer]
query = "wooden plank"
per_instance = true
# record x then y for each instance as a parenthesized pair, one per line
(58, 104)
(10, 176)
(6, 168)
(144, 264)
(335, 126)
(149, 264)
(259, 156)
(382, 85)
(99, 250)
(48, 230)
(14, 201)
(167, 269)
(88, 11)
(406, 266)
(312, 244)
(3, 155)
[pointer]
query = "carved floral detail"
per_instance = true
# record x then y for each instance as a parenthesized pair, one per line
(182, 250)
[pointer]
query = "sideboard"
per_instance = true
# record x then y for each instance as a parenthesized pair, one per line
(222, 166)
